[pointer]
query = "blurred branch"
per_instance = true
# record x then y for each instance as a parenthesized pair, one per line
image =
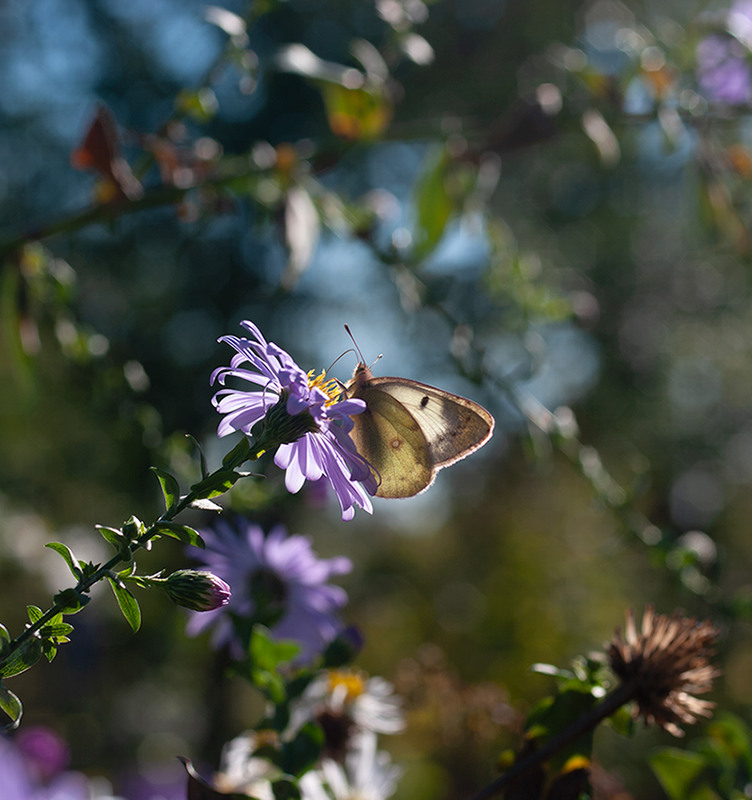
(99, 213)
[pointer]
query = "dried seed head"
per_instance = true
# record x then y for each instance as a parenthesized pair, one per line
(667, 663)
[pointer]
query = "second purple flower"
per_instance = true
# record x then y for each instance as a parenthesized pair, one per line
(278, 576)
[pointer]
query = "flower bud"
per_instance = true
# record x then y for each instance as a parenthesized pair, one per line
(198, 590)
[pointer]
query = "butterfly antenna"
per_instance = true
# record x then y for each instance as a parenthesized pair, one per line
(341, 355)
(357, 349)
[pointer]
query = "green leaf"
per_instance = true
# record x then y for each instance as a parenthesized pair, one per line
(113, 536)
(4, 638)
(217, 483)
(182, 533)
(267, 653)
(70, 601)
(552, 715)
(201, 458)
(731, 736)
(53, 631)
(238, 454)
(89, 568)
(11, 705)
(128, 604)
(264, 659)
(127, 571)
(23, 657)
(285, 789)
(49, 649)
(67, 554)
(170, 487)
(35, 613)
(678, 772)
(622, 721)
(433, 206)
(303, 751)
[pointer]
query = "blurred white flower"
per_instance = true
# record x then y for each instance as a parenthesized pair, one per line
(367, 774)
(242, 772)
(345, 703)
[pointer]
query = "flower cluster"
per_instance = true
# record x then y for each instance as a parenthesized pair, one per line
(279, 581)
(301, 415)
(352, 710)
(276, 579)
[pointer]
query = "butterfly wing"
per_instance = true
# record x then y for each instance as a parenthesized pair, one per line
(388, 437)
(453, 426)
(410, 430)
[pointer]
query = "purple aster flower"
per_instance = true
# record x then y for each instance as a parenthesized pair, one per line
(723, 71)
(276, 577)
(301, 415)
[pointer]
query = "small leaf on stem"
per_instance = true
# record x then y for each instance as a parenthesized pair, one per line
(70, 601)
(67, 554)
(11, 705)
(202, 459)
(239, 454)
(183, 533)
(217, 483)
(170, 487)
(128, 604)
(23, 657)
(114, 537)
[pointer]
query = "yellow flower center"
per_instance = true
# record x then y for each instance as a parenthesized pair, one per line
(331, 388)
(352, 682)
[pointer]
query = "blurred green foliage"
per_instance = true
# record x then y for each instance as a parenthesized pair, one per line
(531, 204)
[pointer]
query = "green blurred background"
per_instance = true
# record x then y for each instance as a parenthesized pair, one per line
(527, 172)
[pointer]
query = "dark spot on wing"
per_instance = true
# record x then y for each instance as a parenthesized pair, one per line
(424, 401)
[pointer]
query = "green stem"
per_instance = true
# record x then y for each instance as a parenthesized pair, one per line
(84, 585)
(610, 703)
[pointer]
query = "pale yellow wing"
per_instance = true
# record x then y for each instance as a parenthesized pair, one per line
(388, 437)
(453, 426)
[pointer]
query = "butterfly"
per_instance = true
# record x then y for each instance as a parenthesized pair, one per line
(409, 430)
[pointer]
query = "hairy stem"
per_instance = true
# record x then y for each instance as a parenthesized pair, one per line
(613, 701)
(85, 584)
